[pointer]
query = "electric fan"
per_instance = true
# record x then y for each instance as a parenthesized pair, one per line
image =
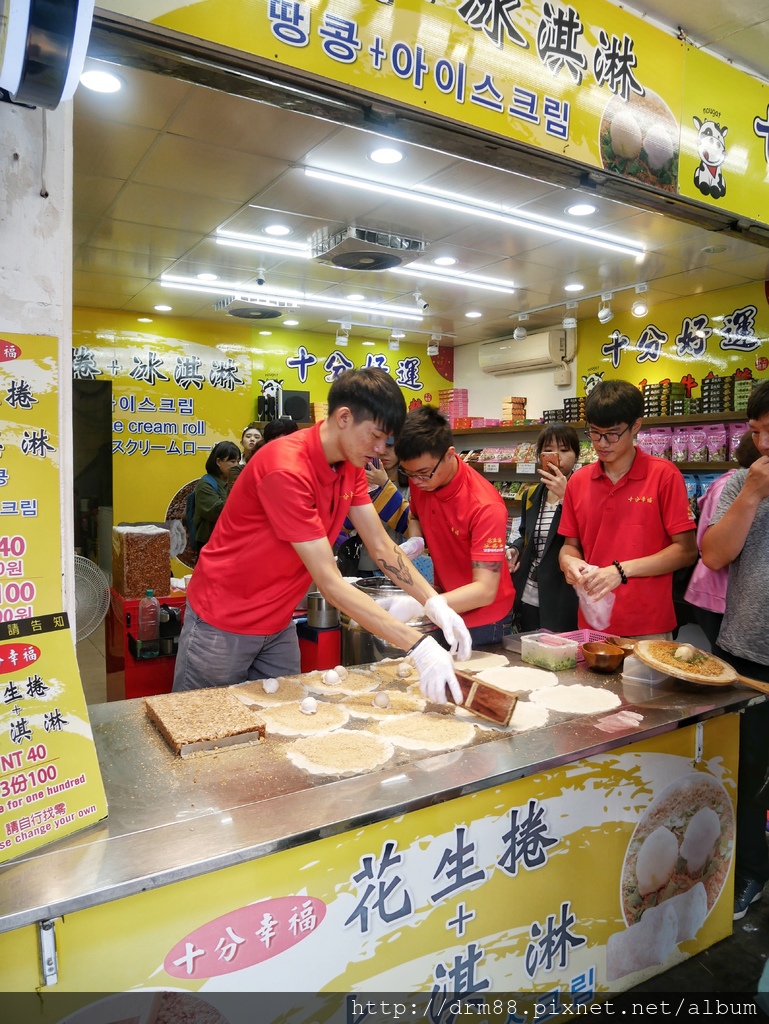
(91, 596)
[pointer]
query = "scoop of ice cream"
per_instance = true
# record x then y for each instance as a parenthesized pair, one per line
(700, 838)
(309, 706)
(658, 146)
(625, 135)
(331, 677)
(341, 671)
(381, 700)
(684, 653)
(270, 685)
(403, 670)
(656, 860)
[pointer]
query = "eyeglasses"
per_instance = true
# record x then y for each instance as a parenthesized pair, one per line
(611, 436)
(424, 476)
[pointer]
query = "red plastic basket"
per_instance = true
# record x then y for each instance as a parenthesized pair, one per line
(585, 636)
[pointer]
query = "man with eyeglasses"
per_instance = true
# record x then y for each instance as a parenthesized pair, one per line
(626, 519)
(464, 523)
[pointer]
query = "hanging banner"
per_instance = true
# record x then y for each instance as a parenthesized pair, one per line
(50, 782)
(30, 545)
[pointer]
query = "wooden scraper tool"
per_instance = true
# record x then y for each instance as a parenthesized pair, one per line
(484, 700)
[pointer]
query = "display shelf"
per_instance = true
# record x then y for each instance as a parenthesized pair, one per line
(648, 421)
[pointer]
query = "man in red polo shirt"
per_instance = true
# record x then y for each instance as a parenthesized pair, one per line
(626, 519)
(274, 537)
(464, 523)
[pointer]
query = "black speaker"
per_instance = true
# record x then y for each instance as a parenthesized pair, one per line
(296, 404)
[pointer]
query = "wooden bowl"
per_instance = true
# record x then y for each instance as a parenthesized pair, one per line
(628, 646)
(603, 657)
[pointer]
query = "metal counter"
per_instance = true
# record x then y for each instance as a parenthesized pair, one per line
(172, 818)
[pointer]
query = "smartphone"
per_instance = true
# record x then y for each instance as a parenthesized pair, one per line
(549, 460)
(374, 464)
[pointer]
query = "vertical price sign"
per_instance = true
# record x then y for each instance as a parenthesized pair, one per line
(50, 782)
(30, 534)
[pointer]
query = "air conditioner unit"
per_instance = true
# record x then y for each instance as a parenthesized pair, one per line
(537, 351)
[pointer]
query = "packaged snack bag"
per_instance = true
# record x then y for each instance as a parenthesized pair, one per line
(698, 444)
(644, 441)
(680, 444)
(662, 442)
(716, 442)
(735, 431)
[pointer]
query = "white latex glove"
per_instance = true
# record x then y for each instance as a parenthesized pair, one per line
(436, 670)
(413, 547)
(404, 608)
(452, 624)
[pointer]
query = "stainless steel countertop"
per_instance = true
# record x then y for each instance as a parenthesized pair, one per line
(172, 818)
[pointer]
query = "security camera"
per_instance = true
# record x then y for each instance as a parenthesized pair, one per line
(421, 304)
(260, 276)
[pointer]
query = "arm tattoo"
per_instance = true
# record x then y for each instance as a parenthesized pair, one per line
(400, 571)
(491, 566)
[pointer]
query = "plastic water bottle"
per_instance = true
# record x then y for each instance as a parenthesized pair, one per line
(149, 625)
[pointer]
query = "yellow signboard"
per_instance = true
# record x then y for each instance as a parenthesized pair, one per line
(534, 886)
(30, 542)
(50, 783)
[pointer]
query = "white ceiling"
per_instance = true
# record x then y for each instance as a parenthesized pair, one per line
(162, 164)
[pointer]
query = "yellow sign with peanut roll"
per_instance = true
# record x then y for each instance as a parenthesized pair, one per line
(50, 782)
(550, 885)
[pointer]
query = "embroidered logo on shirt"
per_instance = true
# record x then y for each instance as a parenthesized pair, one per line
(494, 544)
(641, 497)
(348, 495)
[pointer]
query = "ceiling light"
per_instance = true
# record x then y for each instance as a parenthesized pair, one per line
(356, 298)
(386, 155)
(519, 333)
(163, 309)
(265, 334)
(569, 323)
(433, 350)
(101, 81)
(444, 261)
(341, 338)
(639, 308)
(397, 334)
(712, 250)
(605, 313)
(580, 210)
(499, 214)
(574, 287)
(290, 323)
(206, 276)
(277, 229)
(368, 343)
(473, 314)
(144, 320)
(488, 284)
(258, 243)
(393, 344)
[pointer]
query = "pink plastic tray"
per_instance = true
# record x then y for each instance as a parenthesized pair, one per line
(585, 636)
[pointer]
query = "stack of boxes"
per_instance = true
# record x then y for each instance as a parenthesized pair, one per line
(574, 410)
(657, 397)
(513, 411)
(742, 389)
(318, 411)
(552, 416)
(452, 402)
(717, 394)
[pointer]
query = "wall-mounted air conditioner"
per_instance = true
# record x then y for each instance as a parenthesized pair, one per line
(535, 352)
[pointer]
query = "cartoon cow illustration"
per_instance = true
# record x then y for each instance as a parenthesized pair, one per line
(269, 405)
(711, 149)
(591, 381)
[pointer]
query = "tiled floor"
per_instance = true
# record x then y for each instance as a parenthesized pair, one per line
(732, 965)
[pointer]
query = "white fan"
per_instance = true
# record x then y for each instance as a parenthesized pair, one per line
(91, 596)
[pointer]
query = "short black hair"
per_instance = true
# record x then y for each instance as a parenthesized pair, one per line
(758, 401)
(221, 450)
(612, 402)
(279, 428)
(425, 431)
(369, 394)
(559, 433)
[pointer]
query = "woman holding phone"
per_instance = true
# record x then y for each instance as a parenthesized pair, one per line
(543, 598)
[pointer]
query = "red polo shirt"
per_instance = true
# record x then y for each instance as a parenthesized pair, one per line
(630, 519)
(466, 522)
(249, 578)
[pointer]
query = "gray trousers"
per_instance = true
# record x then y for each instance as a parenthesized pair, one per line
(213, 657)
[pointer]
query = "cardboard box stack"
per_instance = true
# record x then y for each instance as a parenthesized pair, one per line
(513, 410)
(657, 397)
(574, 410)
(318, 411)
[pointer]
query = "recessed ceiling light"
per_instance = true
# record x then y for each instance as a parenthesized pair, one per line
(277, 229)
(144, 320)
(574, 287)
(580, 210)
(473, 314)
(266, 334)
(355, 297)
(290, 323)
(205, 276)
(397, 334)
(368, 343)
(639, 308)
(163, 309)
(101, 81)
(444, 261)
(711, 250)
(386, 155)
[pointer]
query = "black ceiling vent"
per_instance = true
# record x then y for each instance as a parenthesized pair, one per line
(256, 312)
(366, 249)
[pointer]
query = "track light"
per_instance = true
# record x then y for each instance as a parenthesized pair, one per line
(393, 344)
(342, 338)
(519, 333)
(433, 347)
(569, 323)
(604, 310)
(639, 308)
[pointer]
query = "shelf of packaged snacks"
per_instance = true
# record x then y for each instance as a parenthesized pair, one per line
(706, 467)
(648, 421)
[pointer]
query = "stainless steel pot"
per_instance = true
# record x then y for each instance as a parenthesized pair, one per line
(320, 614)
(359, 647)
